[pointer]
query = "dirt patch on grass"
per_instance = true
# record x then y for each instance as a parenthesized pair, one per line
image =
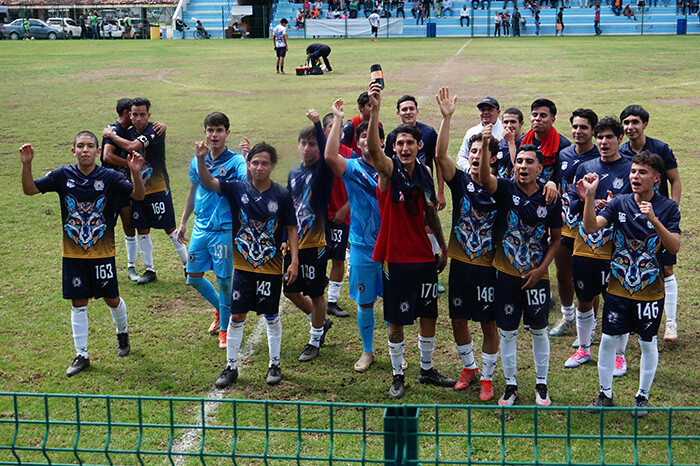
(687, 102)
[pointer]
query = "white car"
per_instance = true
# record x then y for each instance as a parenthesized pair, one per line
(69, 27)
(113, 28)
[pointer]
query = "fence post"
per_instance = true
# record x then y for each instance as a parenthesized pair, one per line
(400, 435)
(223, 28)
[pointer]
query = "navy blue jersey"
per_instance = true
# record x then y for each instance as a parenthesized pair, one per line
(523, 225)
(505, 166)
(154, 174)
(87, 208)
(259, 220)
(120, 131)
(659, 148)
(635, 269)
(426, 154)
(569, 160)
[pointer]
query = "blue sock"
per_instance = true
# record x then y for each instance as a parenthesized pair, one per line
(224, 301)
(365, 322)
(206, 289)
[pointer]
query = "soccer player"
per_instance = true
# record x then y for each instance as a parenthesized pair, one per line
(263, 210)
(156, 209)
(360, 179)
(87, 193)
(406, 197)
(591, 256)
(211, 246)
(542, 135)
(471, 248)
(634, 120)
(530, 236)
(644, 222)
(582, 150)
(279, 39)
(351, 125)
(311, 183)
(374, 24)
(512, 136)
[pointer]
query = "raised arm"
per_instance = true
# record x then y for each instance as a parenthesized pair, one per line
(488, 180)
(26, 155)
(135, 163)
(381, 162)
(591, 222)
(447, 107)
(336, 161)
(208, 181)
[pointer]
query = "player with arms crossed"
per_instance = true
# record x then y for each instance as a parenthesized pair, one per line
(88, 210)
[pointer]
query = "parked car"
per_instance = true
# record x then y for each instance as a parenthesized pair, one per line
(37, 29)
(113, 28)
(140, 28)
(69, 27)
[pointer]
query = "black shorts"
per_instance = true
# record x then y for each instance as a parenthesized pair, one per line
(410, 291)
(311, 279)
(337, 238)
(281, 51)
(590, 276)
(155, 211)
(375, 30)
(512, 302)
(259, 292)
(624, 315)
(472, 290)
(667, 258)
(89, 278)
(568, 243)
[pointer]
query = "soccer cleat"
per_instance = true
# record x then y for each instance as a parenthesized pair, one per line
(620, 366)
(541, 395)
(398, 387)
(132, 274)
(580, 357)
(123, 347)
(364, 362)
(274, 374)
(467, 376)
(216, 323)
(309, 353)
(335, 310)
(671, 333)
(222, 339)
(327, 324)
(147, 277)
(576, 343)
(486, 392)
(226, 378)
(562, 327)
(601, 402)
(79, 364)
(640, 403)
(509, 397)
(433, 377)
(440, 288)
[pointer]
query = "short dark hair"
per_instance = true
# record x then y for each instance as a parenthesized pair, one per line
(327, 120)
(611, 123)
(263, 147)
(586, 113)
(216, 119)
(141, 101)
(544, 103)
(515, 111)
(531, 148)
(284, 21)
(406, 98)
(364, 126)
(493, 144)
(363, 99)
(85, 133)
(410, 130)
(635, 110)
(124, 105)
(650, 160)
(307, 133)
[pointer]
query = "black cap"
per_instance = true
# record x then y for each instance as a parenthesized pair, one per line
(489, 101)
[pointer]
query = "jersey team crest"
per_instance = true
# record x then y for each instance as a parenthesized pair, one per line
(617, 183)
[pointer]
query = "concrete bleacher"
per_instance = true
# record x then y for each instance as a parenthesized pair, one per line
(209, 13)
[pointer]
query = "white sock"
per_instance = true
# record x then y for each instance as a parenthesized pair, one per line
(234, 337)
(180, 248)
(606, 362)
(434, 243)
(585, 323)
(274, 337)
(146, 247)
(622, 344)
(488, 364)
(79, 323)
(671, 300)
(334, 291)
(316, 334)
(426, 345)
(466, 353)
(132, 250)
(540, 352)
(509, 355)
(396, 355)
(648, 365)
(119, 316)
(568, 312)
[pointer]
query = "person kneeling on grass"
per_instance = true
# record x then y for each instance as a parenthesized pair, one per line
(264, 209)
(88, 195)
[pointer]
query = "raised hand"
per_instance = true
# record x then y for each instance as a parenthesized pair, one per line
(200, 149)
(26, 153)
(244, 145)
(312, 114)
(447, 106)
(337, 109)
(135, 162)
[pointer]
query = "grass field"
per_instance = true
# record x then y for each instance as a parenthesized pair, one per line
(51, 90)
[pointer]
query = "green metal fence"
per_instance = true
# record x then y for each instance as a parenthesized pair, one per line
(62, 429)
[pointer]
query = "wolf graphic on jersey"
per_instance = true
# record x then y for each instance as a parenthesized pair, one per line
(305, 216)
(85, 223)
(255, 240)
(598, 239)
(634, 262)
(570, 220)
(146, 171)
(521, 243)
(473, 230)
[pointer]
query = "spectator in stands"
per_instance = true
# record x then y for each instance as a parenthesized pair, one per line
(640, 5)
(617, 7)
(180, 26)
(319, 7)
(368, 8)
(399, 9)
(560, 22)
(313, 13)
(353, 9)
(596, 21)
(447, 6)
(306, 6)
(415, 10)
(537, 23)
(464, 15)
(497, 23)
(629, 12)
(516, 22)
(506, 23)
(534, 7)
(300, 19)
